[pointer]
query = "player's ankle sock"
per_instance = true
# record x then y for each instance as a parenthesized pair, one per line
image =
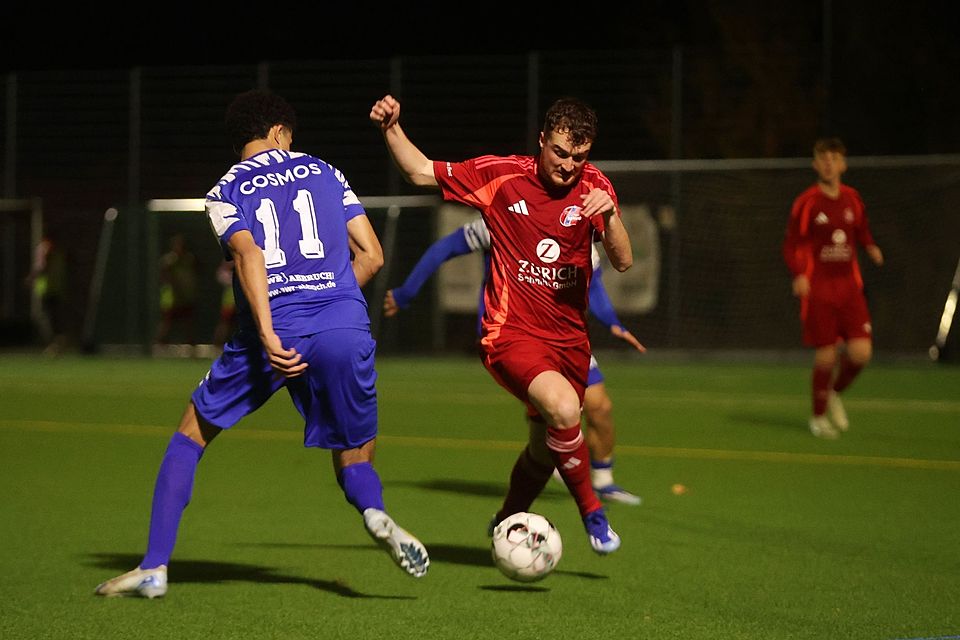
(571, 456)
(527, 480)
(848, 371)
(601, 472)
(361, 486)
(171, 495)
(821, 389)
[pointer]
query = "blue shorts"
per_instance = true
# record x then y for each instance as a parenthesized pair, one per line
(593, 375)
(336, 395)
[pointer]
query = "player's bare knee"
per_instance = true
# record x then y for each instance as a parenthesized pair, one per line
(195, 427)
(598, 409)
(860, 351)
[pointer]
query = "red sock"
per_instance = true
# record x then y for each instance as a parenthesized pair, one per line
(527, 480)
(570, 454)
(821, 388)
(848, 371)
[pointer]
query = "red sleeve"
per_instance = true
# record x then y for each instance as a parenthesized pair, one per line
(864, 237)
(796, 245)
(593, 178)
(474, 182)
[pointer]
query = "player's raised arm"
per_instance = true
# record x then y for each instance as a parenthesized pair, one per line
(416, 168)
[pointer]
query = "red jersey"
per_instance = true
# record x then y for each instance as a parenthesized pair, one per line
(540, 245)
(823, 235)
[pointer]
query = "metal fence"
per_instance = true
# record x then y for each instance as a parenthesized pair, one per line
(86, 140)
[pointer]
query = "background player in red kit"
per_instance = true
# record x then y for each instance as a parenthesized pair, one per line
(828, 222)
(543, 212)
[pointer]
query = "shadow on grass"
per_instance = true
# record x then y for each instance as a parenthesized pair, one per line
(480, 557)
(439, 554)
(482, 489)
(452, 554)
(557, 574)
(798, 424)
(200, 571)
(514, 588)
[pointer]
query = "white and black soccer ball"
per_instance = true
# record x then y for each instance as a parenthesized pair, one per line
(526, 547)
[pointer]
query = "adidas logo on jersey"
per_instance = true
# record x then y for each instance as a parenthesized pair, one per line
(519, 207)
(821, 218)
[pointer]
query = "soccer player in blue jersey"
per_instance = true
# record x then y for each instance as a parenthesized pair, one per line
(597, 405)
(303, 248)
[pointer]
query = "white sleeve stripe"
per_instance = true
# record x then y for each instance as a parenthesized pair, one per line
(221, 215)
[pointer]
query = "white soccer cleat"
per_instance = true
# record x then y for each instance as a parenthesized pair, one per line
(408, 552)
(821, 427)
(838, 415)
(142, 583)
(616, 493)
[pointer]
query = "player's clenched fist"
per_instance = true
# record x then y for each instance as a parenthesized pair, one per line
(385, 112)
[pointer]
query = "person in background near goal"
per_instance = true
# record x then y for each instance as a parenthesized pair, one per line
(543, 212)
(178, 291)
(290, 222)
(48, 285)
(828, 222)
(597, 405)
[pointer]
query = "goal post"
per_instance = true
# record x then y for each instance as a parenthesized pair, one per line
(21, 229)
(940, 351)
(124, 301)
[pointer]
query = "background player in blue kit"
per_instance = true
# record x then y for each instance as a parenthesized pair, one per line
(597, 406)
(290, 222)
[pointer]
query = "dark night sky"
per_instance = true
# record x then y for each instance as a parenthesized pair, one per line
(199, 36)
(882, 33)
(899, 60)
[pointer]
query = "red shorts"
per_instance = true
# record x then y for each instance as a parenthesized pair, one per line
(835, 312)
(516, 360)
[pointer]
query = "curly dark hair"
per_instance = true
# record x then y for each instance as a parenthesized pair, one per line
(573, 117)
(252, 113)
(826, 145)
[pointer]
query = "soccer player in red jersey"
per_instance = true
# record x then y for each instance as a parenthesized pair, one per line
(543, 212)
(828, 222)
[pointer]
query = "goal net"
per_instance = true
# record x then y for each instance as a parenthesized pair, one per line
(708, 270)
(721, 225)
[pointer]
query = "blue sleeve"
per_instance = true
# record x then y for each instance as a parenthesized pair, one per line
(600, 305)
(447, 247)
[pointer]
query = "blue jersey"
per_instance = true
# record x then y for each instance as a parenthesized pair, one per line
(296, 207)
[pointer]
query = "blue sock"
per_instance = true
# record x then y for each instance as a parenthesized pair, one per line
(600, 464)
(171, 495)
(361, 486)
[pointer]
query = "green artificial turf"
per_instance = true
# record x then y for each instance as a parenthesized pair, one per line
(777, 534)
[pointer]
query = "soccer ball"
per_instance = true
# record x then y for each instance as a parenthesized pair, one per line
(526, 547)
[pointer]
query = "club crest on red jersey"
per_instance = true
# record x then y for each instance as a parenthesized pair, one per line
(571, 215)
